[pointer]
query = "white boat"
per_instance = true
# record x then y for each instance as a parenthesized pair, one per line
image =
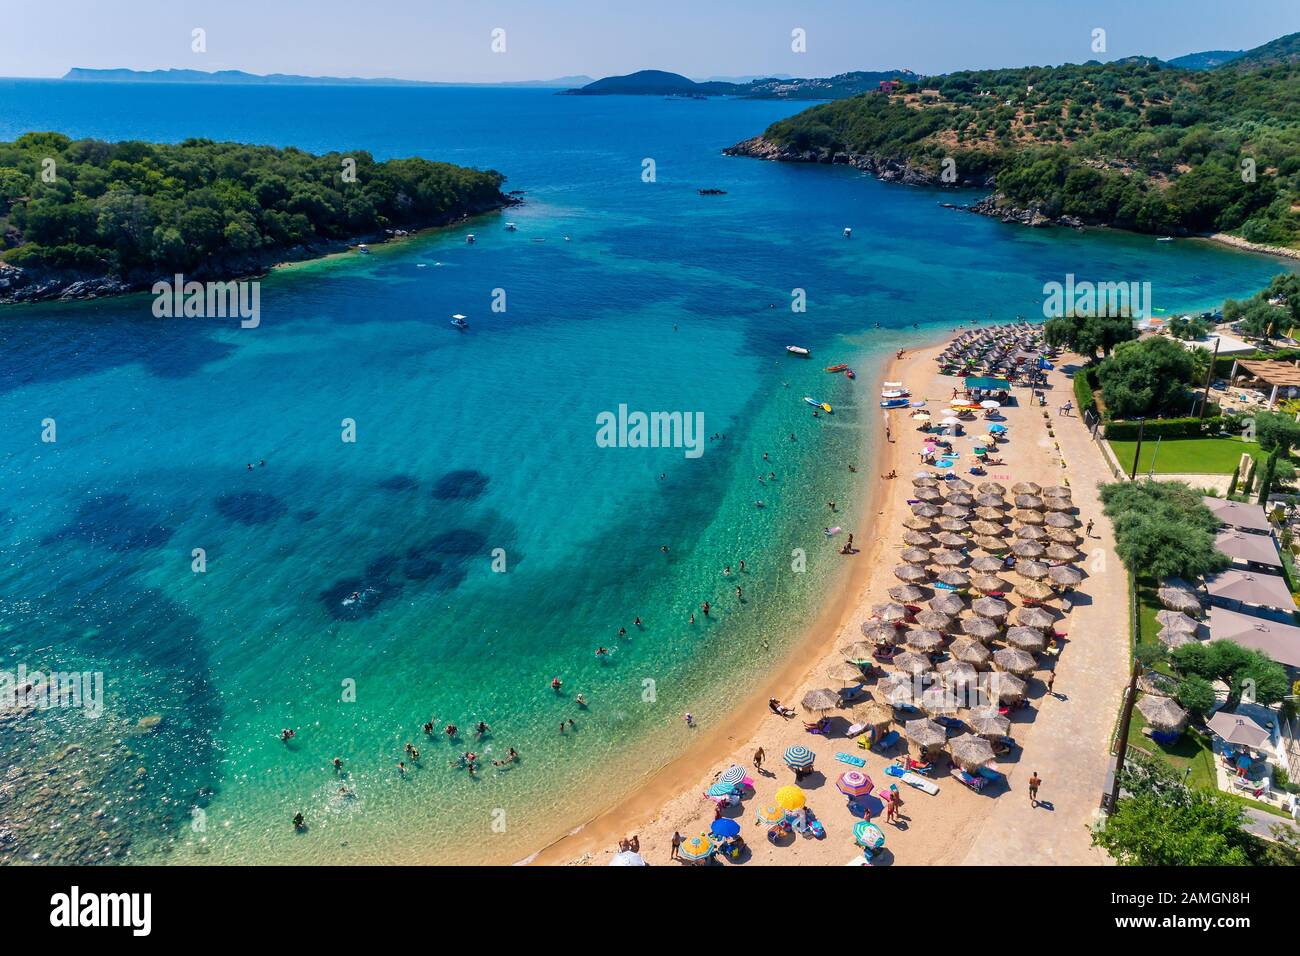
(891, 385)
(893, 393)
(458, 321)
(1165, 239)
(363, 249)
(510, 227)
(798, 350)
(470, 238)
(848, 233)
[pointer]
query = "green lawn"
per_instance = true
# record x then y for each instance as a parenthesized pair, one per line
(1213, 456)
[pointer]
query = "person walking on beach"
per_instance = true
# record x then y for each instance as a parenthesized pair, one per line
(1051, 679)
(676, 844)
(758, 759)
(1088, 528)
(1034, 783)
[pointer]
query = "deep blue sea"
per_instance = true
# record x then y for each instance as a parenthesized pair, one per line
(470, 448)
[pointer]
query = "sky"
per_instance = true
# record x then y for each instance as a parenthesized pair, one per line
(452, 40)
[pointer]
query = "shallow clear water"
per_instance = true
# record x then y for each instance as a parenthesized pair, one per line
(467, 443)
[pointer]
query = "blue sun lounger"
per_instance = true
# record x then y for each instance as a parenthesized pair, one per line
(888, 741)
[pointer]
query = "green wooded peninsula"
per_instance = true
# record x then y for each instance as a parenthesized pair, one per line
(127, 212)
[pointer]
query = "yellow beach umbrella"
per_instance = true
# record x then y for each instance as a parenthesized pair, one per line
(790, 798)
(770, 814)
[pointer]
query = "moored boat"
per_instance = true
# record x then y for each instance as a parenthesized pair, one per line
(836, 368)
(798, 350)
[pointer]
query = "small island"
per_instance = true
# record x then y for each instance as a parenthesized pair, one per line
(83, 219)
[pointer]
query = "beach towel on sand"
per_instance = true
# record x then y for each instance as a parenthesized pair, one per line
(851, 760)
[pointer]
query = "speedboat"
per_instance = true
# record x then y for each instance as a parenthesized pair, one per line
(459, 322)
(1165, 239)
(893, 393)
(848, 232)
(895, 403)
(363, 249)
(510, 227)
(798, 350)
(849, 373)
(470, 238)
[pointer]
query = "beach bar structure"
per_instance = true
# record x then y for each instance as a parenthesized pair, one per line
(1239, 514)
(1279, 641)
(1249, 592)
(1283, 378)
(1250, 552)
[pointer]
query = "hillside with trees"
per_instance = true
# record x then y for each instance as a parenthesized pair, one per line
(1137, 144)
(133, 211)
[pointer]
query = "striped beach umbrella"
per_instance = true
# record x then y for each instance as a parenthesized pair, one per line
(867, 834)
(799, 757)
(720, 789)
(733, 775)
(790, 798)
(854, 783)
(696, 848)
(770, 814)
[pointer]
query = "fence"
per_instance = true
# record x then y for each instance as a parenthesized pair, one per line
(1291, 747)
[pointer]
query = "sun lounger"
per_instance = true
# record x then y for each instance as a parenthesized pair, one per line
(851, 760)
(975, 783)
(988, 773)
(912, 779)
(888, 741)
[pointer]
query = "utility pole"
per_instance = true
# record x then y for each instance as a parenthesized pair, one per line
(1209, 374)
(1137, 452)
(1130, 698)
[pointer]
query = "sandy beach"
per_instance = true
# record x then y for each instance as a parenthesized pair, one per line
(1065, 735)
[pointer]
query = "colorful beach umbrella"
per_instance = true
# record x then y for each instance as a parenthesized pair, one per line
(867, 834)
(854, 783)
(721, 790)
(696, 848)
(799, 757)
(733, 775)
(790, 798)
(770, 814)
(725, 828)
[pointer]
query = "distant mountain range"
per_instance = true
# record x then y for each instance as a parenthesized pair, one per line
(662, 83)
(1205, 61)
(240, 78)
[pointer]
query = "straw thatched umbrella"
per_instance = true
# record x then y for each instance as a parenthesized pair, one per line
(925, 480)
(991, 514)
(989, 723)
(996, 502)
(1026, 639)
(1026, 488)
(932, 495)
(1004, 687)
(990, 607)
(923, 640)
(846, 672)
(954, 671)
(989, 583)
(991, 488)
(859, 652)
(948, 603)
(915, 556)
(1034, 590)
(820, 700)
(1163, 714)
(911, 573)
(874, 714)
(949, 540)
(949, 558)
(897, 689)
(881, 632)
(1154, 682)
(1030, 532)
(1032, 570)
(1029, 549)
(987, 564)
(1039, 617)
(1059, 519)
(954, 524)
(923, 510)
(1062, 552)
(937, 701)
(1174, 639)
(970, 752)
(1058, 504)
(1025, 516)
(917, 523)
(989, 528)
(935, 620)
(954, 578)
(1014, 660)
(910, 662)
(971, 652)
(980, 627)
(993, 545)
(918, 539)
(890, 611)
(960, 484)
(1065, 577)
(1029, 502)
(955, 511)
(1057, 491)
(1062, 536)
(1177, 621)
(961, 499)
(925, 732)
(1178, 599)
(908, 593)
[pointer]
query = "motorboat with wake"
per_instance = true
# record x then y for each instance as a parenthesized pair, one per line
(458, 321)
(799, 350)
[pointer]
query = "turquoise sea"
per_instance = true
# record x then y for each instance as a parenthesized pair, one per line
(468, 445)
